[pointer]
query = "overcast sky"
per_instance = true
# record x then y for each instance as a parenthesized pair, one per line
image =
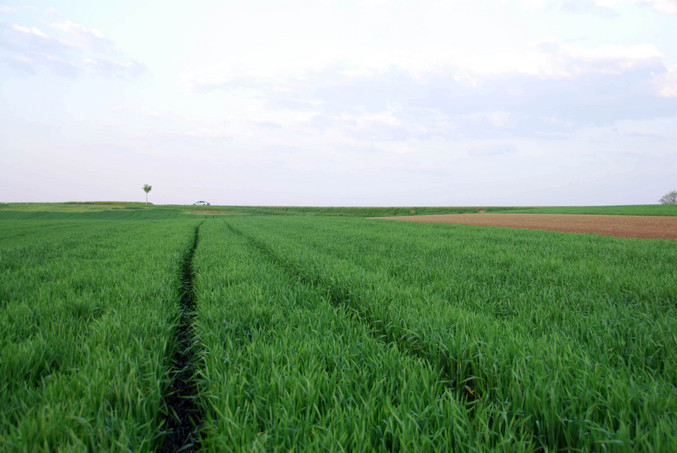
(350, 102)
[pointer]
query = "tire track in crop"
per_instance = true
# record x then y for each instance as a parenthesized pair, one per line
(459, 375)
(183, 414)
(407, 341)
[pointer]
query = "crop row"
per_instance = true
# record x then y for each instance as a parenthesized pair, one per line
(572, 335)
(87, 314)
(283, 369)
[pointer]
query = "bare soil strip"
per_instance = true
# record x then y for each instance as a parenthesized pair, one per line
(613, 225)
(183, 415)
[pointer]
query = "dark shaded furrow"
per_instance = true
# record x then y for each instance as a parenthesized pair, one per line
(183, 414)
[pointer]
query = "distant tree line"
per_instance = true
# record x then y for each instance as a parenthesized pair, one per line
(669, 198)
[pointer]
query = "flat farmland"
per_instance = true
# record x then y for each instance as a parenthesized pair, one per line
(162, 330)
(87, 315)
(629, 226)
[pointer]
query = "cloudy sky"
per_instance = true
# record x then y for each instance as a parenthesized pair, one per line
(339, 102)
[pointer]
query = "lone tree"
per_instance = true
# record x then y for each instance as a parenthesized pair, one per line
(146, 188)
(669, 198)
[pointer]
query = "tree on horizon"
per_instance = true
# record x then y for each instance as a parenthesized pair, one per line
(146, 188)
(669, 198)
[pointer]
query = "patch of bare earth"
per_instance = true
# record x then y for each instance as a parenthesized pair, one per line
(613, 225)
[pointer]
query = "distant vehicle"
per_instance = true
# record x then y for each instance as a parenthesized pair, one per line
(201, 203)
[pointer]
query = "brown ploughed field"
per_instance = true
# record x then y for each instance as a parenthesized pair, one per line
(614, 225)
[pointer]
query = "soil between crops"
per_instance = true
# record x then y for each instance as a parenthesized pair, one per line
(613, 225)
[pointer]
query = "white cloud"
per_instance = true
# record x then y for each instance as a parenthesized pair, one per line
(77, 29)
(83, 37)
(613, 59)
(69, 51)
(386, 118)
(28, 64)
(555, 62)
(21, 39)
(491, 149)
(30, 30)
(498, 120)
(667, 83)
(545, 61)
(104, 66)
(642, 133)
(547, 91)
(663, 6)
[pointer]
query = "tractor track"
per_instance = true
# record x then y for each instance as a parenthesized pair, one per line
(183, 415)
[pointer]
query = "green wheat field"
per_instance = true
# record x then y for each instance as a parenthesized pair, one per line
(319, 329)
